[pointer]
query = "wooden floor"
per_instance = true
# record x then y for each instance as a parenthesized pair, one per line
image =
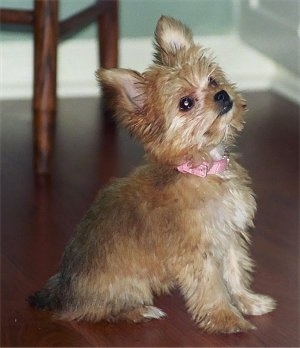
(39, 215)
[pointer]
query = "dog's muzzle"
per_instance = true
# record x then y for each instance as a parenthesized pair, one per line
(222, 98)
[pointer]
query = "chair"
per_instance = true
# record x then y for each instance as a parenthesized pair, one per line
(48, 30)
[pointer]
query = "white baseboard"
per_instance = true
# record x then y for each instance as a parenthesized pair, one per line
(77, 63)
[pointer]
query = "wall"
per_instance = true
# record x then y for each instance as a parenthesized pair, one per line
(272, 27)
(255, 41)
(138, 17)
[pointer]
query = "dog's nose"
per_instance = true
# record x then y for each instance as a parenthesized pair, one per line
(222, 98)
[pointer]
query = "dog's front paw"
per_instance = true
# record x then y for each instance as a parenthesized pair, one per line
(224, 321)
(255, 304)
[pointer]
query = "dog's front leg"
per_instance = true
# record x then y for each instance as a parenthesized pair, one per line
(207, 297)
(236, 272)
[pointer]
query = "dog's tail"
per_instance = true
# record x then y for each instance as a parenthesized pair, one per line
(47, 298)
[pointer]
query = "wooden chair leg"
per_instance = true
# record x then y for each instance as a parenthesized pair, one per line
(108, 33)
(44, 99)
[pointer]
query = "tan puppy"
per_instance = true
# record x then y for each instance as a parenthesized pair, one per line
(180, 220)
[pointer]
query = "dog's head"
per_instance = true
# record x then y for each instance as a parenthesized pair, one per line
(182, 107)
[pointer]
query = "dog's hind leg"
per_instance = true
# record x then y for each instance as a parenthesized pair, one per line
(125, 299)
(133, 302)
(139, 314)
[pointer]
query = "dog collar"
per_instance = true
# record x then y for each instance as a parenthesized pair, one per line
(205, 168)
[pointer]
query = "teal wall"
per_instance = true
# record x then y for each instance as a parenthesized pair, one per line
(138, 17)
(272, 27)
(205, 17)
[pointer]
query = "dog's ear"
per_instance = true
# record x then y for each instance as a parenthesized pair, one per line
(170, 36)
(122, 89)
(124, 94)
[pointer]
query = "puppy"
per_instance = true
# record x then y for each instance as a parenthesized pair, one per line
(180, 220)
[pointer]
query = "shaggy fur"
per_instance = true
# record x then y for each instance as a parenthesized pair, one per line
(159, 228)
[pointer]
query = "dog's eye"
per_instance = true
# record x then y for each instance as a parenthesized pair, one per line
(186, 103)
(212, 82)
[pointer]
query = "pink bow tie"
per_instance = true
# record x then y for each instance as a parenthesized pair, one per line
(204, 168)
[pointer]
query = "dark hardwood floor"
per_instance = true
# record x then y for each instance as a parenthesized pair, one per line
(39, 215)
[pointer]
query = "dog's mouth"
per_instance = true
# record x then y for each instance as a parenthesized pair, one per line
(223, 100)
